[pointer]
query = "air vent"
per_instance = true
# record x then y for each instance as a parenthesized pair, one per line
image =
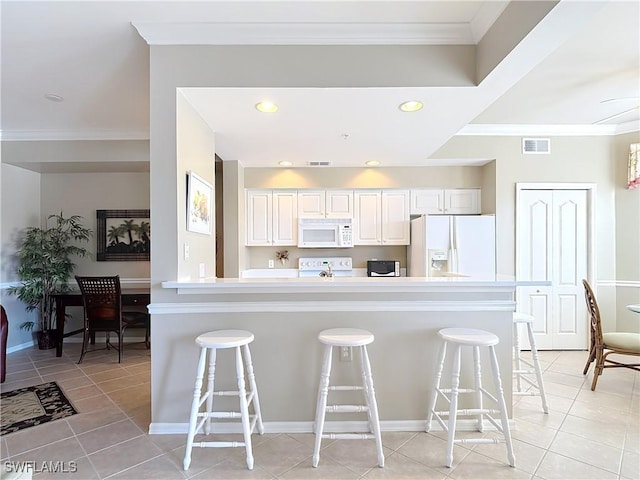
(319, 164)
(536, 145)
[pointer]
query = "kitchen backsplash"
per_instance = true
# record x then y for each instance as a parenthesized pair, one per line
(258, 257)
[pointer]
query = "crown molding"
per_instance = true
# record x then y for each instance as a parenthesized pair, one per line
(550, 130)
(216, 33)
(70, 135)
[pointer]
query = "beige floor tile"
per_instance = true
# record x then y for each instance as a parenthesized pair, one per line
(395, 440)
(563, 378)
(476, 467)
(27, 382)
(309, 439)
(80, 469)
(204, 458)
(397, 466)
(84, 422)
(4, 452)
(92, 404)
(38, 436)
(281, 453)
(70, 383)
(559, 390)
(115, 384)
(159, 468)
(52, 369)
(123, 455)
(587, 451)
(22, 375)
(81, 393)
(109, 435)
(61, 451)
(15, 366)
(528, 456)
(166, 443)
(559, 467)
(533, 433)
(431, 450)
(327, 469)
(230, 470)
(66, 375)
(107, 375)
(612, 434)
(630, 465)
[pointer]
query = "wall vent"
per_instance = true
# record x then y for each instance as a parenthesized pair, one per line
(319, 164)
(536, 145)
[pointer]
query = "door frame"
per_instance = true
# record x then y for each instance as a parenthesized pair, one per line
(591, 221)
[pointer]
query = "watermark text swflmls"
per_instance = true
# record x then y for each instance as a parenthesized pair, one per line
(40, 467)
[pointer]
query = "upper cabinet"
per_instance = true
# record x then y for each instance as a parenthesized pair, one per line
(437, 201)
(325, 203)
(272, 217)
(381, 217)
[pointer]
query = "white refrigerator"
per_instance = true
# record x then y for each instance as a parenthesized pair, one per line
(453, 245)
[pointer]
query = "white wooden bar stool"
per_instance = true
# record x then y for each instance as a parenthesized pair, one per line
(521, 372)
(467, 337)
(347, 337)
(209, 343)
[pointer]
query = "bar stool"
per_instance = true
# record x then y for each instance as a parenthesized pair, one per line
(209, 343)
(347, 337)
(522, 374)
(467, 337)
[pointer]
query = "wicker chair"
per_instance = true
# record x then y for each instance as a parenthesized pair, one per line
(102, 301)
(603, 345)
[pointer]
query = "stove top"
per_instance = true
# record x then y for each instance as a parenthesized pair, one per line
(312, 266)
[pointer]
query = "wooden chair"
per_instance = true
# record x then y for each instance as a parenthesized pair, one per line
(603, 345)
(101, 297)
(4, 331)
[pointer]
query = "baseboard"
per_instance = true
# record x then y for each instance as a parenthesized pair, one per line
(22, 346)
(466, 425)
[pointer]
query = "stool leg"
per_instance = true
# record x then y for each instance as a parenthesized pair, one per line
(321, 406)
(193, 417)
(503, 407)
(453, 407)
(536, 365)
(478, 387)
(254, 388)
(210, 382)
(244, 408)
(516, 354)
(433, 398)
(373, 405)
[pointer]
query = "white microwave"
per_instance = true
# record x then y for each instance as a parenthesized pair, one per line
(325, 233)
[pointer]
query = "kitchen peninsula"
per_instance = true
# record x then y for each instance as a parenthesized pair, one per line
(286, 314)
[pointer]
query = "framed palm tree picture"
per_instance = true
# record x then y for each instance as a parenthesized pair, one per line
(123, 235)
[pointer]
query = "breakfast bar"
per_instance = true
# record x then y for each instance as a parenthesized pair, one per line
(286, 315)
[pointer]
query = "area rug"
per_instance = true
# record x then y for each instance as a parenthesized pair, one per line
(31, 406)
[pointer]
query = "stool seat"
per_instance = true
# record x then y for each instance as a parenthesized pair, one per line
(519, 317)
(224, 339)
(345, 337)
(469, 336)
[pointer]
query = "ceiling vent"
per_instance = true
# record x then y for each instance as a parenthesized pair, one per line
(536, 145)
(319, 164)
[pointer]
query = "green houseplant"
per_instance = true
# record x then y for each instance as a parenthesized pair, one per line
(44, 268)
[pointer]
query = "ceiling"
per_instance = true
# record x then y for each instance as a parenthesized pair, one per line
(579, 66)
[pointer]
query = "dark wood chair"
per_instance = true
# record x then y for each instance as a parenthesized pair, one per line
(4, 331)
(603, 345)
(101, 297)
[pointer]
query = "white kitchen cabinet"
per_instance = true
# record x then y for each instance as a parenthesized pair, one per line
(381, 217)
(272, 217)
(325, 203)
(438, 201)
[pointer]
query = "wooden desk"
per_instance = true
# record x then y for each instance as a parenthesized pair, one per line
(139, 297)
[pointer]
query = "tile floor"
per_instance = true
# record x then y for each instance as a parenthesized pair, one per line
(587, 435)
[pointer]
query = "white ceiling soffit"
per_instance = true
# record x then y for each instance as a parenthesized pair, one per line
(323, 33)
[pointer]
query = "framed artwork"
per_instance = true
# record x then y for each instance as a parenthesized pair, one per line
(199, 204)
(123, 235)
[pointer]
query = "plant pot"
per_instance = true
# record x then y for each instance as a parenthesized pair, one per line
(46, 339)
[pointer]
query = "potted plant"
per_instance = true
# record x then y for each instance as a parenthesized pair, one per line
(44, 268)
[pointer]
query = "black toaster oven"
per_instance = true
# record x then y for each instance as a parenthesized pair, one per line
(383, 268)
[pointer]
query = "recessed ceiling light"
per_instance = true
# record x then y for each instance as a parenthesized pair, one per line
(53, 97)
(266, 107)
(372, 163)
(411, 106)
(285, 163)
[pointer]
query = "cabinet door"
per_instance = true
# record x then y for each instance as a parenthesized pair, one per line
(311, 203)
(259, 217)
(395, 217)
(367, 217)
(285, 217)
(427, 201)
(339, 203)
(462, 201)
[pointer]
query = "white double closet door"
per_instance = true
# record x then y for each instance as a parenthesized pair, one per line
(552, 245)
